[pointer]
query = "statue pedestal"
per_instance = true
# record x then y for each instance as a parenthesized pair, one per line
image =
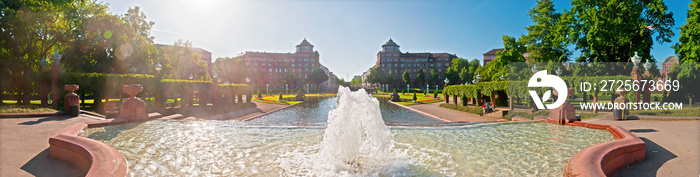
(566, 113)
(71, 102)
(133, 108)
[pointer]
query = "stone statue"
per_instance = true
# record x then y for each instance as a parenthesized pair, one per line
(395, 96)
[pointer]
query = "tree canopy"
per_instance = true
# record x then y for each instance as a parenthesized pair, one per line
(688, 50)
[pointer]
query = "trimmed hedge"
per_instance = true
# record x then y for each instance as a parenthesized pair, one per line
(474, 110)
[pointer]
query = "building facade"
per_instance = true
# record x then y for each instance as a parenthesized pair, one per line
(667, 65)
(272, 68)
(391, 59)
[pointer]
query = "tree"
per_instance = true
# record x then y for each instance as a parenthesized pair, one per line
(687, 74)
(391, 78)
(464, 74)
(356, 81)
(420, 77)
(376, 75)
(689, 48)
(545, 38)
(318, 76)
(108, 43)
(406, 77)
(31, 30)
(184, 61)
(230, 69)
(434, 76)
(611, 31)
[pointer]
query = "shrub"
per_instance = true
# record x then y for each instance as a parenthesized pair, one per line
(280, 99)
(414, 97)
(464, 101)
(435, 94)
(474, 110)
(403, 92)
(259, 95)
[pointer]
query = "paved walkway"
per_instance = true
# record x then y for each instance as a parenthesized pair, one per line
(451, 115)
(24, 146)
(673, 147)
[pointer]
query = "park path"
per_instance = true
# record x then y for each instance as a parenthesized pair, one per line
(24, 146)
(672, 147)
(450, 115)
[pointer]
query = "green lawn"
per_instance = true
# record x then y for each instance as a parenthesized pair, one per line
(685, 112)
(407, 99)
(24, 109)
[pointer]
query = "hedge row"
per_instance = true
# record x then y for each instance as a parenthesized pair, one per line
(470, 109)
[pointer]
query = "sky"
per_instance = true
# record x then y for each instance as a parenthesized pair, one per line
(348, 34)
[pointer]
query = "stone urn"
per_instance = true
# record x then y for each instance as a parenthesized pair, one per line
(132, 90)
(71, 101)
(133, 109)
(300, 96)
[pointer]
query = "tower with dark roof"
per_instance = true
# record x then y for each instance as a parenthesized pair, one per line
(391, 46)
(305, 47)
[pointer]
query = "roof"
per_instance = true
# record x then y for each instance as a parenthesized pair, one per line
(493, 51)
(428, 55)
(265, 55)
(390, 43)
(195, 49)
(305, 43)
(673, 59)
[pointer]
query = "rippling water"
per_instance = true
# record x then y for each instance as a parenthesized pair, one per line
(223, 148)
(315, 112)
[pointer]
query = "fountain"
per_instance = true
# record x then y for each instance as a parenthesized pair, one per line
(350, 139)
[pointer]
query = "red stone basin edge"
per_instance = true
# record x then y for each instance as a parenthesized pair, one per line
(96, 158)
(100, 159)
(605, 158)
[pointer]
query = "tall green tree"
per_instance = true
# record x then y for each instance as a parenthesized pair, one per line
(31, 29)
(318, 76)
(688, 50)
(420, 77)
(108, 43)
(434, 76)
(391, 78)
(231, 69)
(546, 38)
(406, 77)
(377, 75)
(464, 74)
(611, 31)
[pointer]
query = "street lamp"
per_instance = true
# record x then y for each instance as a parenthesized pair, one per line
(478, 77)
(159, 67)
(647, 66)
(503, 77)
(427, 86)
(307, 88)
(286, 88)
(559, 71)
(214, 75)
(447, 81)
(267, 87)
(43, 63)
(190, 76)
(56, 57)
(636, 59)
(535, 69)
(133, 70)
(437, 89)
(218, 80)
(408, 87)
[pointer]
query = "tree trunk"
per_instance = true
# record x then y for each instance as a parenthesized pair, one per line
(27, 87)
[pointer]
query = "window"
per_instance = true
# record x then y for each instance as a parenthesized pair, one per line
(401, 65)
(439, 70)
(439, 65)
(292, 65)
(269, 70)
(382, 65)
(396, 55)
(431, 65)
(395, 65)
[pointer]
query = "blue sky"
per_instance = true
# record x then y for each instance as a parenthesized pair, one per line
(348, 34)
